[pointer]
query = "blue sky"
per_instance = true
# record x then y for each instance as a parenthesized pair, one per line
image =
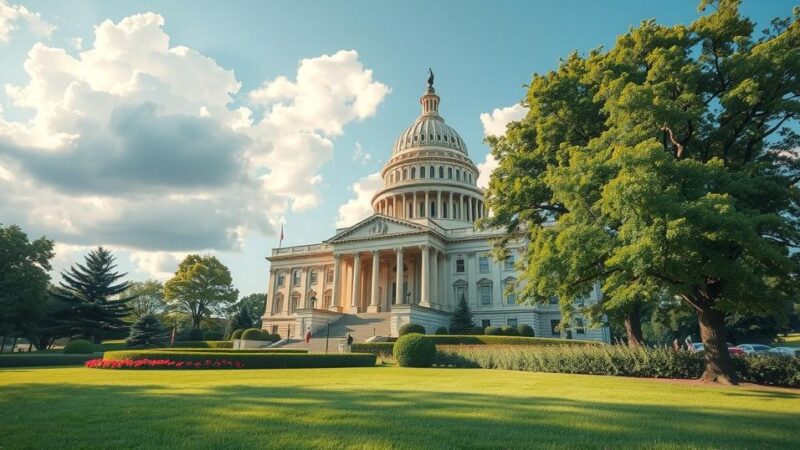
(482, 53)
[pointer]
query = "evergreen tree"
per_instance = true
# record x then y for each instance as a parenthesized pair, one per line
(241, 320)
(461, 322)
(93, 308)
(147, 332)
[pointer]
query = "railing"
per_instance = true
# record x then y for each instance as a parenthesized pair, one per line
(300, 249)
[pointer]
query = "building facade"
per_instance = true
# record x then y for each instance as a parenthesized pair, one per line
(416, 256)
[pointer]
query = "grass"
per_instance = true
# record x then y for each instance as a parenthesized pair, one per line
(382, 407)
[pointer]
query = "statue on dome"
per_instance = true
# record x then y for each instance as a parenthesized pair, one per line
(430, 77)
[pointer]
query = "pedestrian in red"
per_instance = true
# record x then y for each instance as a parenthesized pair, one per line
(308, 335)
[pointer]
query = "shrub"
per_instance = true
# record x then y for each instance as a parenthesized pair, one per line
(413, 350)
(492, 331)
(251, 360)
(777, 370)
(377, 348)
(411, 328)
(34, 359)
(525, 330)
(440, 331)
(79, 347)
(237, 334)
(195, 334)
(476, 330)
(255, 334)
(204, 344)
(508, 331)
(147, 332)
(213, 336)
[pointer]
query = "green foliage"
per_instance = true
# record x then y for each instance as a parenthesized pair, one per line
(461, 321)
(37, 359)
(254, 360)
(507, 330)
(247, 312)
(93, 307)
(213, 335)
(477, 329)
(23, 283)
(195, 334)
(526, 330)
(413, 350)
(411, 328)
(255, 334)
(204, 344)
(663, 167)
(505, 340)
(441, 330)
(617, 360)
(147, 332)
(147, 297)
(237, 334)
(202, 286)
(377, 348)
(227, 349)
(79, 347)
(492, 331)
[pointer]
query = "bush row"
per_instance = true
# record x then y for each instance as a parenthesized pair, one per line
(256, 334)
(48, 359)
(506, 330)
(227, 350)
(377, 348)
(386, 348)
(204, 344)
(616, 360)
(163, 364)
(260, 360)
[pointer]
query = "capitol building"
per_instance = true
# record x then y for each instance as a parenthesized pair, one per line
(414, 258)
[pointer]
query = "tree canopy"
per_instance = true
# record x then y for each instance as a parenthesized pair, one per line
(666, 164)
(201, 286)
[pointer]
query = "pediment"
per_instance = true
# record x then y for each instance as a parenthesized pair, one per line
(378, 226)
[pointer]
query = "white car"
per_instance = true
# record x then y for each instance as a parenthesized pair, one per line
(754, 348)
(788, 351)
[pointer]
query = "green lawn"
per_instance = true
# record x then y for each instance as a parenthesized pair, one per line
(382, 407)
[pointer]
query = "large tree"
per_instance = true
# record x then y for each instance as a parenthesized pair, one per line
(665, 164)
(147, 298)
(202, 286)
(91, 293)
(23, 280)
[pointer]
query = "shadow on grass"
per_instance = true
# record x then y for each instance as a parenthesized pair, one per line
(236, 416)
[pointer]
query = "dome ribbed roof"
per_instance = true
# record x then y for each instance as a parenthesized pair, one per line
(429, 130)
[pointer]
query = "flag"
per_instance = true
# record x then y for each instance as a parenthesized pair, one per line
(281, 240)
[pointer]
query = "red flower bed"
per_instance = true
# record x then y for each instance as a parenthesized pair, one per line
(162, 364)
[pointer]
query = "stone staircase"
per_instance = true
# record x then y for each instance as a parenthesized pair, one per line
(361, 326)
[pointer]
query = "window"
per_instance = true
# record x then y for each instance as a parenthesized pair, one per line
(281, 280)
(461, 292)
(554, 324)
(579, 327)
(392, 178)
(458, 175)
(441, 172)
(422, 209)
(277, 304)
(326, 300)
(413, 173)
(295, 303)
(329, 276)
(460, 265)
(511, 295)
(512, 322)
(422, 172)
(274, 329)
(486, 294)
(509, 263)
(483, 263)
(405, 174)
(312, 278)
(450, 173)
(296, 278)
(431, 172)
(486, 323)
(433, 209)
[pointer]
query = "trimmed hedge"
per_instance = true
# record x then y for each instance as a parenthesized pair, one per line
(39, 360)
(476, 330)
(413, 350)
(255, 334)
(377, 348)
(227, 350)
(213, 336)
(79, 347)
(237, 334)
(253, 360)
(616, 360)
(441, 331)
(525, 330)
(204, 344)
(505, 340)
(411, 328)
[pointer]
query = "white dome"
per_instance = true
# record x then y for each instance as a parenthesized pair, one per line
(429, 130)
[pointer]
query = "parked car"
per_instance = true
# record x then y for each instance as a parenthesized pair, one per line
(754, 348)
(788, 351)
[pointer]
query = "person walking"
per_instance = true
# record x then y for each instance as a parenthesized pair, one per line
(308, 335)
(349, 343)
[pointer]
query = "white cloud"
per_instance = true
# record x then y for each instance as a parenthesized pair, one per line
(359, 155)
(494, 124)
(134, 144)
(12, 15)
(359, 207)
(158, 265)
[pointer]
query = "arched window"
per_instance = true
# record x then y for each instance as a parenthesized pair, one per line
(405, 174)
(392, 177)
(422, 172)
(433, 210)
(294, 303)
(277, 304)
(431, 172)
(326, 299)
(413, 173)
(441, 172)
(450, 173)
(422, 209)
(458, 175)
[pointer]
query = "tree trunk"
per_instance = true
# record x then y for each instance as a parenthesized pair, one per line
(3, 345)
(719, 367)
(14, 344)
(633, 325)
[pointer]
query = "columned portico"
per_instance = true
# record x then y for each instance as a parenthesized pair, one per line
(425, 272)
(434, 277)
(400, 296)
(336, 291)
(356, 286)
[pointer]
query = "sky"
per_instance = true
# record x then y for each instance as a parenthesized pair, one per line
(160, 129)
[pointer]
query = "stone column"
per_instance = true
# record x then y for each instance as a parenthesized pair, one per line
(399, 294)
(356, 297)
(336, 290)
(271, 291)
(469, 209)
(414, 209)
(452, 214)
(434, 274)
(374, 301)
(425, 273)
